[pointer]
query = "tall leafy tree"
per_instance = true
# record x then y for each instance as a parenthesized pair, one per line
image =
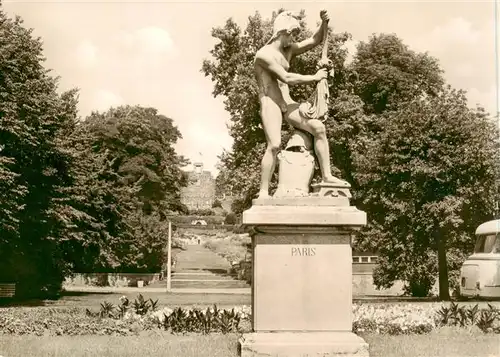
(429, 179)
(389, 73)
(136, 182)
(35, 166)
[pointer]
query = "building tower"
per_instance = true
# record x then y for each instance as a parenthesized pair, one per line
(200, 192)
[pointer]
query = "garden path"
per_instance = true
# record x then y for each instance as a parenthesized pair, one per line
(199, 268)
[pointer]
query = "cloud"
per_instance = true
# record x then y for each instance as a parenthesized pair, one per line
(485, 99)
(203, 136)
(103, 99)
(86, 54)
(455, 31)
(466, 54)
(455, 42)
(151, 40)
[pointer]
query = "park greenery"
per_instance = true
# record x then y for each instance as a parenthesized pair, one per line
(78, 194)
(95, 194)
(422, 164)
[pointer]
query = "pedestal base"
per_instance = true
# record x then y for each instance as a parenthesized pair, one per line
(332, 190)
(303, 279)
(303, 344)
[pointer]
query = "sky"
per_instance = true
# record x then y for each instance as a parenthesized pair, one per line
(150, 53)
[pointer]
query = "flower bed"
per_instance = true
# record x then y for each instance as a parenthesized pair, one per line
(131, 317)
(53, 322)
(411, 318)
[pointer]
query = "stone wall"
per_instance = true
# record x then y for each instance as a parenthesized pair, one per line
(362, 277)
(362, 285)
(113, 280)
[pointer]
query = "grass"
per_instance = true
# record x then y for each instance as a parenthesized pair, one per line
(94, 300)
(198, 257)
(230, 247)
(443, 343)
(227, 284)
(152, 344)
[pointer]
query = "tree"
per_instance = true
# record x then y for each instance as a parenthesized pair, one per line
(36, 215)
(136, 181)
(389, 74)
(429, 180)
(217, 204)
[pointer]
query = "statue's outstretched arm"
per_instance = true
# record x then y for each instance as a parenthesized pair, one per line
(269, 63)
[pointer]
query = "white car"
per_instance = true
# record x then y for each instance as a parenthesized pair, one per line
(480, 273)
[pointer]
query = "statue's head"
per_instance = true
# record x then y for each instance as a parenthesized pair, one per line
(285, 25)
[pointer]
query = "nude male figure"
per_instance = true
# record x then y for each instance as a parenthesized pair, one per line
(271, 66)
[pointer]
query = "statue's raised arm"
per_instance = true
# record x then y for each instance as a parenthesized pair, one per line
(317, 38)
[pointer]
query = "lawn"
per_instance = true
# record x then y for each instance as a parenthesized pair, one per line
(93, 300)
(150, 344)
(444, 342)
(232, 247)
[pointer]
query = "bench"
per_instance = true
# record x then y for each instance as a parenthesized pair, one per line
(7, 290)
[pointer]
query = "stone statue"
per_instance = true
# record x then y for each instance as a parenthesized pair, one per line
(271, 67)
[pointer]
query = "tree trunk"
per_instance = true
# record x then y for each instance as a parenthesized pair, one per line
(444, 287)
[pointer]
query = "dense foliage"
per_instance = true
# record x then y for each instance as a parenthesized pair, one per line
(135, 185)
(76, 196)
(429, 179)
(36, 177)
(421, 163)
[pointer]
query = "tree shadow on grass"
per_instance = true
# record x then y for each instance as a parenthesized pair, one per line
(85, 293)
(391, 298)
(17, 302)
(218, 271)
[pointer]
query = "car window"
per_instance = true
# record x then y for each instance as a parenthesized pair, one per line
(486, 243)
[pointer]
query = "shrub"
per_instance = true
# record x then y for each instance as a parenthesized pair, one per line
(397, 319)
(487, 320)
(176, 320)
(230, 219)
(195, 320)
(236, 249)
(60, 321)
(393, 319)
(202, 212)
(217, 204)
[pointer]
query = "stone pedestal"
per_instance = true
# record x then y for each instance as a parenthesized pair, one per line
(303, 344)
(302, 278)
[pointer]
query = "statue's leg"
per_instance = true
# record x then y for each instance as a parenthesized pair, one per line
(321, 147)
(272, 118)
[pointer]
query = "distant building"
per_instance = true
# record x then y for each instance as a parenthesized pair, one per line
(200, 192)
